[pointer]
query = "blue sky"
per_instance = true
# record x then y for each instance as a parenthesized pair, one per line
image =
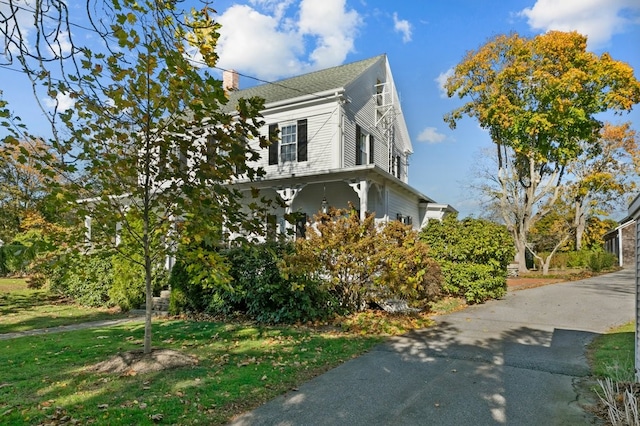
(275, 39)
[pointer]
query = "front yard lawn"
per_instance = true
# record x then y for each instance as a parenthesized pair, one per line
(23, 309)
(44, 378)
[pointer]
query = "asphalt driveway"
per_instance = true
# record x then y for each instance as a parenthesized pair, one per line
(516, 361)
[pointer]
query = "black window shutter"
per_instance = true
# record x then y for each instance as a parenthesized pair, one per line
(211, 150)
(273, 148)
(302, 140)
(358, 153)
(371, 157)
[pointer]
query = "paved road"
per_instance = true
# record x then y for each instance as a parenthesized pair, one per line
(515, 361)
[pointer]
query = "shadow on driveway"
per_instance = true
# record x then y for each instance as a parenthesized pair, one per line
(516, 361)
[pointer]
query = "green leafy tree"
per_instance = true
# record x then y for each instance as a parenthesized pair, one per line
(538, 98)
(604, 175)
(149, 133)
(22, 184)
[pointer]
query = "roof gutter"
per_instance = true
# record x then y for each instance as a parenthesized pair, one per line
(325, 95)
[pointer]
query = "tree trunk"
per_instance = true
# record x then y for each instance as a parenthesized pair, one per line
(580, 224)
(149, 307)
(521, 253)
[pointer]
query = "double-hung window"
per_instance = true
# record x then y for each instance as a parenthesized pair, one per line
(364, 147)
(290, 145)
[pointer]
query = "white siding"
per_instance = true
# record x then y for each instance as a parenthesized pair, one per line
(400, 203)
(361, 110)
(323, 135)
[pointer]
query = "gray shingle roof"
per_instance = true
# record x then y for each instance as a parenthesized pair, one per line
(313, 82)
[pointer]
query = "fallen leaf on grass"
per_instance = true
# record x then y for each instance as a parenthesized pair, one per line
(156, 417)
(247, 362)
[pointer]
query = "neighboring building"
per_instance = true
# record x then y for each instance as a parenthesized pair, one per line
(634, 213)
(621, 241)
(342, 139)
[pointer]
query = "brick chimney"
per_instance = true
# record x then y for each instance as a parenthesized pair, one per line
(230, 80)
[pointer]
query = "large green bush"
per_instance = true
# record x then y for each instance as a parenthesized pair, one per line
(128, 286)
(361, 263)
(255, 288)
(600, 260)
(473, 255)
(260, 290)
(3, 262)
(128, 289)
(188, 295)
(86, 278)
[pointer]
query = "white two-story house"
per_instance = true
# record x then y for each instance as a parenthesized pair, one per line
(342, 139)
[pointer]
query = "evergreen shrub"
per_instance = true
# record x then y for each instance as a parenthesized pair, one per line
(600, 260)
(256, 288)
(86, 278)
(473, 255)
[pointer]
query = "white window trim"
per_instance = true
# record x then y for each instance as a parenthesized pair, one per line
(294, 157)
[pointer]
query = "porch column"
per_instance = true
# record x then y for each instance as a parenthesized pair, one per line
(170, 244)
(118, 238)
(288, 195)
(362, 189)
(87, 229)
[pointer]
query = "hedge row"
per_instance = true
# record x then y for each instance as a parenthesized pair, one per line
(343, 265)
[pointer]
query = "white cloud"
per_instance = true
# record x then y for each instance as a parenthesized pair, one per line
(269, 40)
(599, 20)
(61, 46)
(431, 135)
(21, 16)
(254, 43)
(441, 80)
(62, 102)
(334, 27)
(402, 26)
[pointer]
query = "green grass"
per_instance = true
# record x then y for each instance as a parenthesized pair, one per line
(240, 367)
(12, 284)
(23, 309)
(612, 354)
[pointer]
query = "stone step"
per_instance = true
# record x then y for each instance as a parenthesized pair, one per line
(160, 303)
